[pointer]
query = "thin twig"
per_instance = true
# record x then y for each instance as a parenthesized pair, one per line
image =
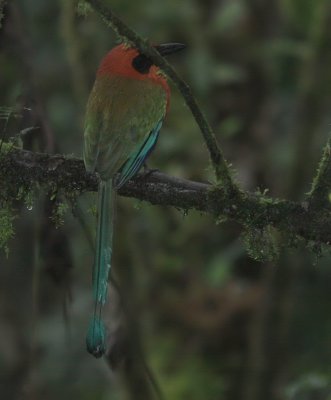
(321, 187)
(219, 163)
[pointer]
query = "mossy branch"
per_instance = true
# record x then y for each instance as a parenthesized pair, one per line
(320, 194)
(20, 168)
(219, 163)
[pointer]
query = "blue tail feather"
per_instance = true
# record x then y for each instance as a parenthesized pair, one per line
(96, 336)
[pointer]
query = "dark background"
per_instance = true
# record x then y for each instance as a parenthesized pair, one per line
(210, 321)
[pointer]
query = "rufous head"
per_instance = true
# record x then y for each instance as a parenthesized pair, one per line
(127, 61)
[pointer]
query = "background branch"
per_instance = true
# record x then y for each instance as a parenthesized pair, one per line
(2, 6)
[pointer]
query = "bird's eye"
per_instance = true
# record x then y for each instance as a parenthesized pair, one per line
(142, 64)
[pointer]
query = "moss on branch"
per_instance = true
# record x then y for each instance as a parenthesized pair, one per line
(320, 194)
(21, 170)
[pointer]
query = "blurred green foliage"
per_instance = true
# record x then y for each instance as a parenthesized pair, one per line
(213, 322)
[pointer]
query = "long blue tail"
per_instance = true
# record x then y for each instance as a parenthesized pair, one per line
(96, 335)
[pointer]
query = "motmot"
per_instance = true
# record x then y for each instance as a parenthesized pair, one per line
(124, 114)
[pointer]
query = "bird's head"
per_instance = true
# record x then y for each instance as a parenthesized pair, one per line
(128, 61)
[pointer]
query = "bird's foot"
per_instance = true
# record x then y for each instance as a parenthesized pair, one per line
(148, 171)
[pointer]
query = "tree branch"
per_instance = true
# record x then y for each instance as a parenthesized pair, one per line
(20, 168)
(219, 163)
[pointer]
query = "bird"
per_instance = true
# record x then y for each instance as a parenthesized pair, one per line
(124, 114)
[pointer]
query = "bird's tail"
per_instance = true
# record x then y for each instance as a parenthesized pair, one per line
(96, 335)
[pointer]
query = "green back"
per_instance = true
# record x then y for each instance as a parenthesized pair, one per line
(121, 113)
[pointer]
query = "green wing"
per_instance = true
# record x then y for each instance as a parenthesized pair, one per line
(123, 119)
(136, 160)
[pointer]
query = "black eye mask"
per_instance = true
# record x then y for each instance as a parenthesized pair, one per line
(142, 64)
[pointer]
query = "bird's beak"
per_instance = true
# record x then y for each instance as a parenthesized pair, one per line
(169, 48)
